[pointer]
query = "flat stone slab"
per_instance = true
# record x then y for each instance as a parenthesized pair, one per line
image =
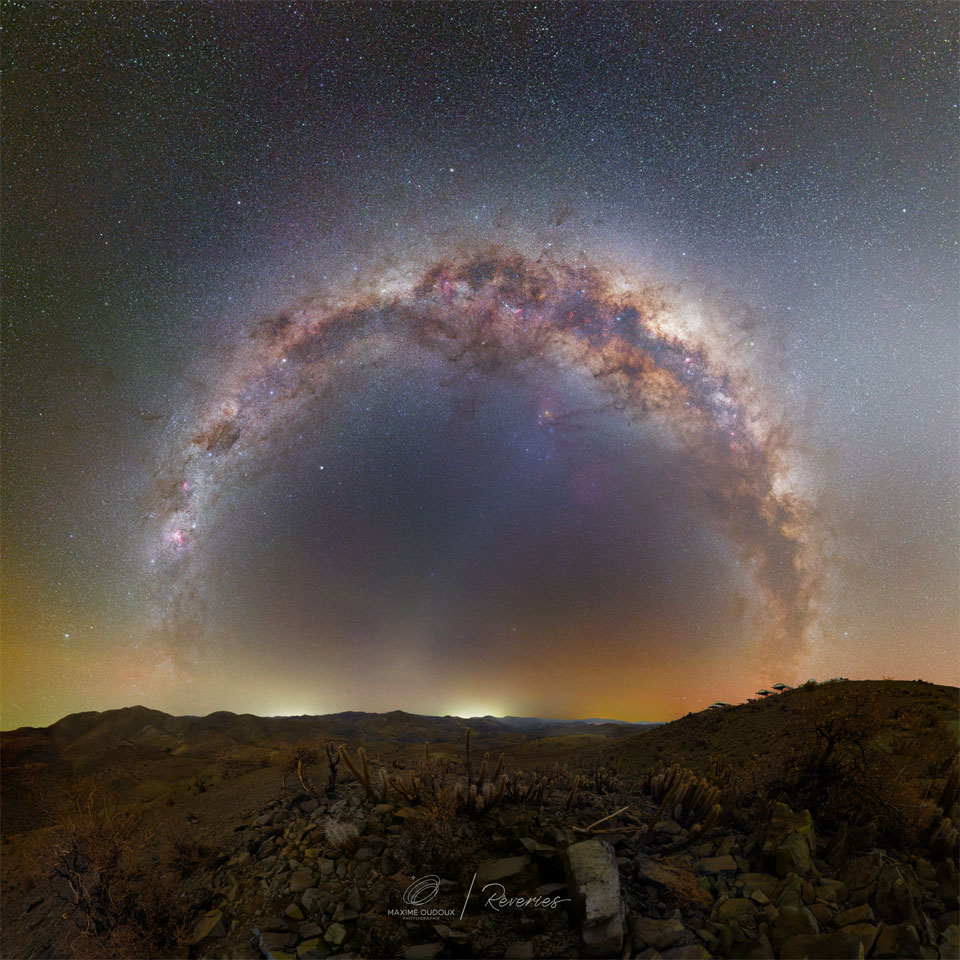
(211, 926)
(593, 880)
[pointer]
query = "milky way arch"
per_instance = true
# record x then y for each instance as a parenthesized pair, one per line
(489, 313)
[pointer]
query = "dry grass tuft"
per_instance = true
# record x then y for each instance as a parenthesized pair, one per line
(118, 873)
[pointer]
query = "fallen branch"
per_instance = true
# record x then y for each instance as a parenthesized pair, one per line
(596, 823)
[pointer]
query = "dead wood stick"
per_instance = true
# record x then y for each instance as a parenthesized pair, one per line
(596, 823)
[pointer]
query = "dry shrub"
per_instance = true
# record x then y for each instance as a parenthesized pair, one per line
(296, 763)
(382, 937)
(851, 761)
(683, 889)
(119, 873)
(340, 837)
(427, 844)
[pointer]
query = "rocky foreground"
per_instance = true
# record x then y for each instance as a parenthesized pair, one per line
(313, 878)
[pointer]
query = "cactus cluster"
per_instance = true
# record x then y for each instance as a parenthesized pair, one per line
(530, 788)
(685, 797)
(607, 782)
(479, 792)
(485, 791)
(376, 791)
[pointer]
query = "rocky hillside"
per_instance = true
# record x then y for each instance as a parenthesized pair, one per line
(316, 878)
(764, 727)
(452, 854)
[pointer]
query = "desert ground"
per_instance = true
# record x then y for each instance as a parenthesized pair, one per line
(819, 822)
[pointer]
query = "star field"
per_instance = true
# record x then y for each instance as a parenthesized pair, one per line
(568, 360)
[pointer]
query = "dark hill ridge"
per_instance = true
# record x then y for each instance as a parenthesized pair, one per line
(768, 727)
(245, 728)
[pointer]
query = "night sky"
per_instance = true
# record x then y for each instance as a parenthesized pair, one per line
(543, 359)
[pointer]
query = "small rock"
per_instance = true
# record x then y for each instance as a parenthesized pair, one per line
(759, 881)
(448, 933)
(794, 856)
(648, 932)
(336, 934)
(759, 949)
(272, 943)
(823, 913)
(423, 951)
(842, 945)
(950, 943)
(897, 895)
(724, 864)
(342, 914)
(867, 933)
(898, 942)
(861, 876)
(311, 898)
(859, 914)
(535, 847)
(736, 908)
(293, 912)
(668, 826)
(308, 806)
(792, 922)
(692, 951)
(789, 893)
(833, 891)
(210, 926)
(301, 880)
(660, 872)
(791, 842)
(519, 950)
(728, 845)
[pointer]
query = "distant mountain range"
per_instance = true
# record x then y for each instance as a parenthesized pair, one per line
(85, 735)
(134, 745)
